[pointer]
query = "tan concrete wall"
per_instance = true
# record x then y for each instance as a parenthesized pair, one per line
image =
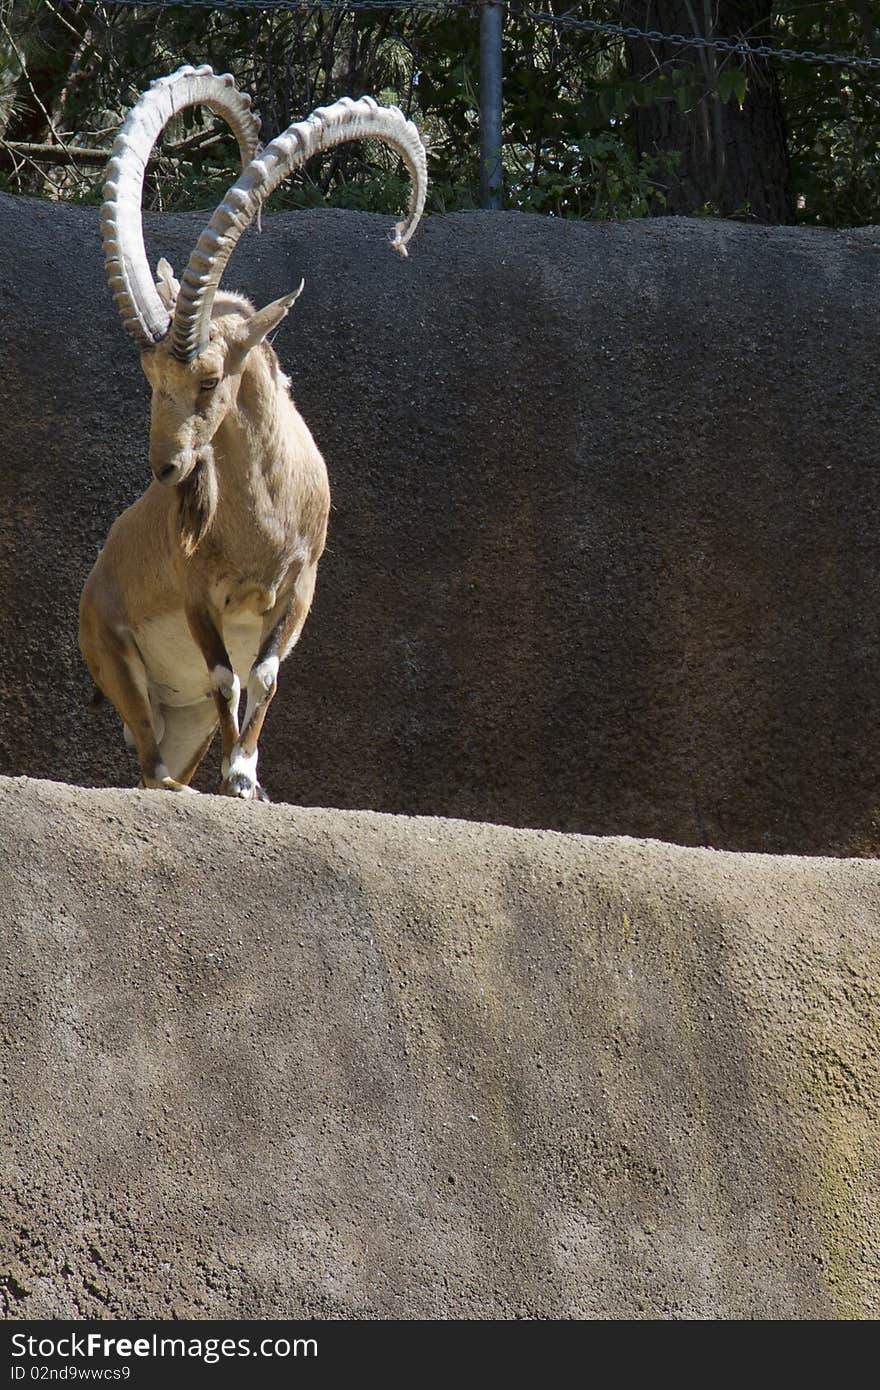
(260, 1061)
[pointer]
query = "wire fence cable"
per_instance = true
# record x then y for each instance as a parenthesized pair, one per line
(568, 20)
(738, 46)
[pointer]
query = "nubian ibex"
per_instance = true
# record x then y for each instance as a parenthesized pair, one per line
(204, 584)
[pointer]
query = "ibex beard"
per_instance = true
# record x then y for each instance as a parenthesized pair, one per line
(204, 584)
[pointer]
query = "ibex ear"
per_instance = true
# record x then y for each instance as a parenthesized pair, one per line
(263, 322)
(167, 285)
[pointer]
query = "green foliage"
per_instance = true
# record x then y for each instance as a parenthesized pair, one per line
(599, 176)
(69, 69)
(833, 114)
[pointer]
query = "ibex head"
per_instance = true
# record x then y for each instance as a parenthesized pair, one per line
(192, 357)
(191, 399)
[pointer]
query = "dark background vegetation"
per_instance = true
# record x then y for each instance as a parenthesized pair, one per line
(594, 125)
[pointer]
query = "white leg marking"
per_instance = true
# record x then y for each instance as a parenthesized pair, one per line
(266, 671)
(241, 779)
(243, 765)
(228, 684)
(261, 680)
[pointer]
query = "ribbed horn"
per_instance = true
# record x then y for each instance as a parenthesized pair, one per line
(143, 313)
(322, 130)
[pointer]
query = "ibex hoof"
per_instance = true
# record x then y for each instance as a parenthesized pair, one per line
(167, 784)
(240, 785)
(241, 778)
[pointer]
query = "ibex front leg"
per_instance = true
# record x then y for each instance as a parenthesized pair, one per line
(262, 685)
(224, 682)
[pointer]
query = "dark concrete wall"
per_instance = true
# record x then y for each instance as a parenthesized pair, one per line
(605, 552)
(267, 1062)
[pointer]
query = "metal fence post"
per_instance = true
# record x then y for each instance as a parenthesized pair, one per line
(491, 179)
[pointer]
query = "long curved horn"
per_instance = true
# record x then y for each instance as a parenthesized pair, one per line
(143, 313)
(322, 130)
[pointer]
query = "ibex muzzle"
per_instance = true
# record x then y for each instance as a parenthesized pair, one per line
(172, 464)
(183, 418)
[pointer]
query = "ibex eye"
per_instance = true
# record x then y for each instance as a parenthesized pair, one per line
(209, 383)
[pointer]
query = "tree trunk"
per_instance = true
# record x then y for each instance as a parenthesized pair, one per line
(733, 161)
(48, 43)
(865, 12)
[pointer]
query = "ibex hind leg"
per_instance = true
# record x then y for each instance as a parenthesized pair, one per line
(188, 734)
(118, 671)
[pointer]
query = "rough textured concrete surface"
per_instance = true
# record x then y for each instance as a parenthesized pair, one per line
(263, 1061)
(605, 552)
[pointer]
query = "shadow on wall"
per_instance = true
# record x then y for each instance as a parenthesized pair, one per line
(605, 545)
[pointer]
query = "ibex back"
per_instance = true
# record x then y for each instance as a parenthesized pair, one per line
(204, 584)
